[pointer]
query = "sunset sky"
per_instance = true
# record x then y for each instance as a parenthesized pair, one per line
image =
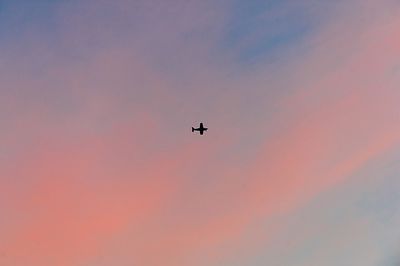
(300, 165)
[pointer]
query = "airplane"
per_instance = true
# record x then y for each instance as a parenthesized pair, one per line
(201, 129)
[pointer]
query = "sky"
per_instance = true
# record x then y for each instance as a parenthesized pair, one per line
(300, 165)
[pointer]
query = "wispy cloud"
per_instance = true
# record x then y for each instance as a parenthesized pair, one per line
(98, 165)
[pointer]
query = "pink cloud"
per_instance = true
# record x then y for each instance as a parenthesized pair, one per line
(109, 176)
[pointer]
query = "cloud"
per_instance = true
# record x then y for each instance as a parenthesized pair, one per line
(99, 166)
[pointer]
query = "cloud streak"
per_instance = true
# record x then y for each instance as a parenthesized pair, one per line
(98, 166)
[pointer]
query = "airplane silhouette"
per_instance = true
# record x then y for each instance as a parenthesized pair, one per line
(201, 129)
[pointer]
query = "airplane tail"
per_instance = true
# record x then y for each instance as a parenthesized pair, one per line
(192, 129)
